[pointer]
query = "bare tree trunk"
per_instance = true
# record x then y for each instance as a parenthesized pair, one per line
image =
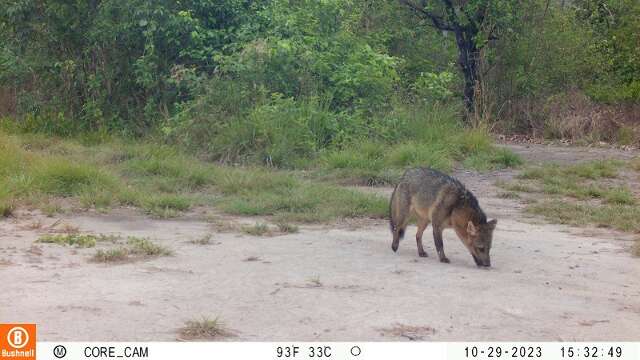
(468, 58)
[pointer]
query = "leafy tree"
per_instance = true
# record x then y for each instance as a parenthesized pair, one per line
(474, 23)
(113, 63)
(614, 28)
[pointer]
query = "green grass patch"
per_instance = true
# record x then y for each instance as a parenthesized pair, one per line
(32, 174)
(167, 168)
(580, 181)
(592, 170)
(620, 217)
(60, 177)
(77, 240)
(589, 193)
(382, 164)
(417, 137)
(164, 182)
(166, 205)
(135, 248)
(493, 159)
(264, 192)
(620, 196)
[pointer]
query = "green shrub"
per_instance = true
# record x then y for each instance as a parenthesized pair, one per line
(287, 131)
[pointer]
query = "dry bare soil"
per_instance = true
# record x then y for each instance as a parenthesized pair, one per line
(328, 282)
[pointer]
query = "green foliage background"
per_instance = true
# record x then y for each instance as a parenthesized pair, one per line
(261, 80)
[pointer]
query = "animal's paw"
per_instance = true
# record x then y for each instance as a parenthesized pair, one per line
(444, 260)
(423, 254)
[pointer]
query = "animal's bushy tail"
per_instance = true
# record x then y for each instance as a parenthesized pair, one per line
(398, 214)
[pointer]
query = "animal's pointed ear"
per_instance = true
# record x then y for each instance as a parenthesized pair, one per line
(471, 229)
(492, 224)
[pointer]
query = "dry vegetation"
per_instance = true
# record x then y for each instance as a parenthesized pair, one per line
(635, 250)
(204, 329)
(204, 240)
(578, 118)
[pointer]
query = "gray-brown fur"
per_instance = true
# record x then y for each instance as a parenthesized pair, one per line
(441, 200)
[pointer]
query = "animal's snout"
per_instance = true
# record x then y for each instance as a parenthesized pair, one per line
(481, 262)
(484, 263)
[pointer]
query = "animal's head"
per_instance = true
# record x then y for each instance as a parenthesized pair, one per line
(479, 238)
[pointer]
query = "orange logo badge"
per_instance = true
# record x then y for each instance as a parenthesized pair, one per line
(18, 341)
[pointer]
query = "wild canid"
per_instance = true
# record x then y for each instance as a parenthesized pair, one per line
(438, 199)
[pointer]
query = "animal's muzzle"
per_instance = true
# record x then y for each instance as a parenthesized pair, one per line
(481, 263)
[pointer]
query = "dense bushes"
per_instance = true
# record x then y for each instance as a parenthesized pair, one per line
(256, 80)
(569, 71)
(112, 63)
(128, 65)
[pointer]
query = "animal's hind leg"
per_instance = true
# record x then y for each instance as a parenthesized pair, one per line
(422, 225)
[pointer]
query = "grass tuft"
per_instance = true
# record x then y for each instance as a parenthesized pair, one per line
(166, 205)
(136, 248)
(287, 228)
(145, 247)
(111, 255)
(77, 240)
(204, 329)
(635, 248)
(499, 158)
(509, 195)
(6, 208)
(620, 196)
(258, 229)
(314, 282)
(516, 186)
(205, 240)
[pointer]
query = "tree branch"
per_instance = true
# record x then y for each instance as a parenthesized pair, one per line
(438, 22)
(451, 12)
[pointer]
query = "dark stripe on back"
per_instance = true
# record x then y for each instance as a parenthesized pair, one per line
(467, 197)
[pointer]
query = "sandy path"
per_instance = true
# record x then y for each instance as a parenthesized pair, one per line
(339, 282)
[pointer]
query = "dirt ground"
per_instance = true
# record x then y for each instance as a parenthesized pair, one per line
(337, 282)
